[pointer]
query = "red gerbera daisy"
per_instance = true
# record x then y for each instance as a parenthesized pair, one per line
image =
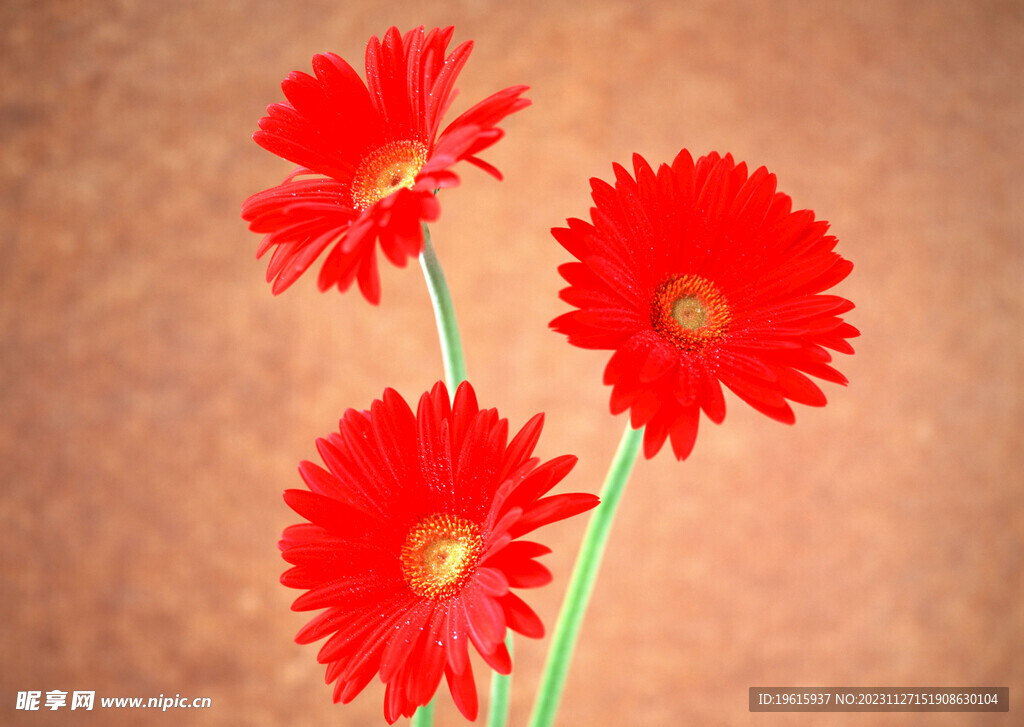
(412, 547)
(375, 156)
(701, 275)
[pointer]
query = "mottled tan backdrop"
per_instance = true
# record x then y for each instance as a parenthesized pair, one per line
(156, 398)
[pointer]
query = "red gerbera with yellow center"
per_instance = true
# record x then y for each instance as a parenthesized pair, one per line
(412, 545)
(699, 275)
(370, 157)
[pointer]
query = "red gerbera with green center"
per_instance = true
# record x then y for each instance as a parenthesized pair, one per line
(699, 275)
(412, 545)
(370, 158)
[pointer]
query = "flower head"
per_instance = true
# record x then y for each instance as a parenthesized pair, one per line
(412, 544)
(370, 157)
(699, 275)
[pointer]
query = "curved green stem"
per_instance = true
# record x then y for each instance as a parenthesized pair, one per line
(444, 315)
(584, 574)
(454, 374)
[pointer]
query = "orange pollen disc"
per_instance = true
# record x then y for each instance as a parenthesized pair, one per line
(689, 311)
(439, 554)
(386, 170)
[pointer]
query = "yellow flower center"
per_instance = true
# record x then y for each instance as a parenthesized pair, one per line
(386, 170)
(439, 554)
(689, 311)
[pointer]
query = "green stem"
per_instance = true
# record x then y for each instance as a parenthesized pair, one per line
(454, 374)
(444, 315)
(497, 712)
(424, 716)
(581, 585)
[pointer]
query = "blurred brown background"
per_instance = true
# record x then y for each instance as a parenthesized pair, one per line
(156, 398)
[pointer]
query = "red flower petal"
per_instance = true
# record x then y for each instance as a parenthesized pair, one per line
(333, 125)
(410, 546)
(463, 691)
(552, 509)
(754, 320)
(521, 617)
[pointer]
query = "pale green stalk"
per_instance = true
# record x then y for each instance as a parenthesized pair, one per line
(581, 585)
(454, 374)
(497, 712)
(444, 315)
(424, 716)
